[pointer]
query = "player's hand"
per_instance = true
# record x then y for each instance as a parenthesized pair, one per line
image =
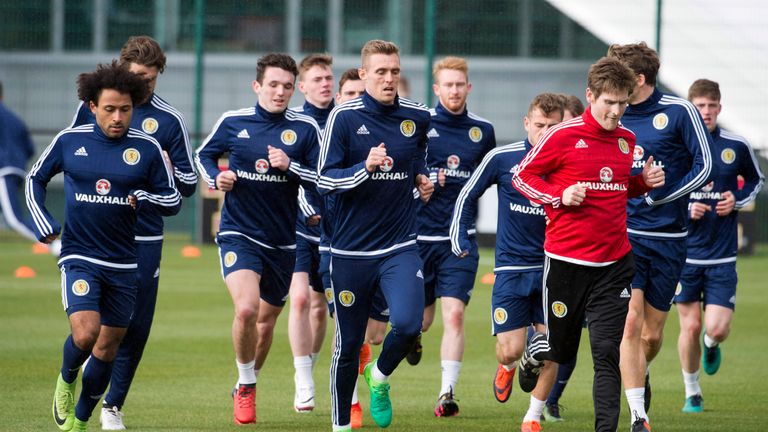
(698, 209)
(132, 201)
(441, 177)
(313, 220)
(653, 176)
(50, 238)
(725, 205)
(464, 253)
(375, 158)
(425, 187)
(574, 195)
(225, 181)
(278, 159)
(167, 160)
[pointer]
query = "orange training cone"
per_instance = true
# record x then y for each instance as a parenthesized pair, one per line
(24, 272)
(488, 278)
(39, 248)
(190, 252)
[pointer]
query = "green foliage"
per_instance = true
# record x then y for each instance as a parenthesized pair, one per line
(188, 370)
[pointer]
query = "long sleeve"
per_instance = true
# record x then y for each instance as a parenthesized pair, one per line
(699, 143)
(541, 160)
(181, 159)
(162, 194)
(466, 204)
(207, 155)
(749, 169)
(334, 175)
(47, 166)
(637, 186)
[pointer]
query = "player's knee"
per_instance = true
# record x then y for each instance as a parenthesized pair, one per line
(653, 341)
(246, 314)
(299, 301)
(719, 332)
(509, 353)
(85, 339)
(455, 320)
(692, 328)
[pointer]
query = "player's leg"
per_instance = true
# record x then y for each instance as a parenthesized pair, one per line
(265, 330)
(455, 281)
(352, 280)
(116, 305)
(606, 314)
(403, 287)
(11, 209)
(535, 314)
(552, 407)
(243, 286)
(300, 338)
(689, 352)
(318, 317)
(511, 318)
(668, 260)
(688, 302)
(427, 251)
(132, 347)
(632, 361)
(720, 302)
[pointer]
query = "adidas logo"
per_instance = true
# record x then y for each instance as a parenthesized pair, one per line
(243, 134)
(419, 274)
(433, 133)
(81, 152)
(625, 294)
(581, 144)
(157, 273)
(363, 130)
(385, 312)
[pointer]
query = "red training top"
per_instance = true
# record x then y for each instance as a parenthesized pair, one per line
(582, 151)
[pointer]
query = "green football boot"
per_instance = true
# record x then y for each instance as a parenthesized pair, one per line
(64, 404)
(381, 406)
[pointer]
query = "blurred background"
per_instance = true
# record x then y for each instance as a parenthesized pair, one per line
(516, 49)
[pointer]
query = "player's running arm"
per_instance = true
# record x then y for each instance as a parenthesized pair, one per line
(162, 193)
(208, 154)
(466, 205)
(47, 166)
(699, 142)
(334, 174)
(180, 154)
(421, 173)
(749, 169)
(542, 160)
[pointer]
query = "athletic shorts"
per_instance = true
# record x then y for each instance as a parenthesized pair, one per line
(658, 265)
(90, 287)
(308, 261)
(711, 284)
(516, 300)
(275, 266)
(445, 274)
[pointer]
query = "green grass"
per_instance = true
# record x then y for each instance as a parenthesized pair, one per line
(188, 370)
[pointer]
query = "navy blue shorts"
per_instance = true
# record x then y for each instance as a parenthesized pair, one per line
(658, 265)
(275, 266)
(445, 274)
(516, 300)
(90, 287)
(711, 284)
(379, 309)
(308, 261)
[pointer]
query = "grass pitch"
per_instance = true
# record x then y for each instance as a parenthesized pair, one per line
(188, 369)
